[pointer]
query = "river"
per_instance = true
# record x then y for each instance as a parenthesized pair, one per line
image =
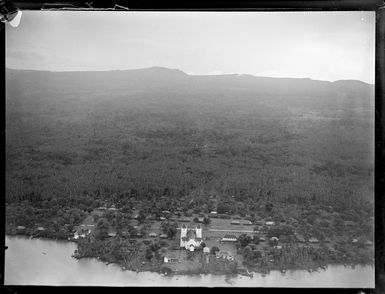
(46, 262)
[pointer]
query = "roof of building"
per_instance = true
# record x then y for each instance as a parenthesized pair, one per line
(191, 234)
(229, 237)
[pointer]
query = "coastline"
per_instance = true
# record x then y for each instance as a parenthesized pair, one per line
(244, 271)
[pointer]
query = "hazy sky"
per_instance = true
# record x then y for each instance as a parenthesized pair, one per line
(319, 45)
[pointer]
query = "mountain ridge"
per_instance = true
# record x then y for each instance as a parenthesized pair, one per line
(180, 73)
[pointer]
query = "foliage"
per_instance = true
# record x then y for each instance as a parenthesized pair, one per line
(244, 240)
(214, 249)
(206, 220)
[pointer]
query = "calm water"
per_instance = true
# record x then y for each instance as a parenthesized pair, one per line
(45, 262)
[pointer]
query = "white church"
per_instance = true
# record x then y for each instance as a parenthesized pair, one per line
(190, 239)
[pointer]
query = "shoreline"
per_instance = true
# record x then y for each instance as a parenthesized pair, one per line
(241, 272)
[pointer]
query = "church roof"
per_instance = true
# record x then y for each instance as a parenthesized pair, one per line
(191, 234)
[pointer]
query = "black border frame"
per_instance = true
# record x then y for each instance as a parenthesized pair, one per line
(232, 5)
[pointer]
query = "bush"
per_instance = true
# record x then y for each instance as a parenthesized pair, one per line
(206, 221)
(214, 249)
(165, 270)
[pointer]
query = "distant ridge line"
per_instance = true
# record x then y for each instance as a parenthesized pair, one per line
(182, 73)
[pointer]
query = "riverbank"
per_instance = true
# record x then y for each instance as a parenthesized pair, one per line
(57, 267)
(138, 263)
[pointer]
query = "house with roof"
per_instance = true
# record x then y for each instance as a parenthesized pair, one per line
(313, 240)
(170, 259)
(224, 255)
(235, 222)
(206, 250)
(247, 223)
(112, 234)
(229, 238)
(152, 234)
(190, 239)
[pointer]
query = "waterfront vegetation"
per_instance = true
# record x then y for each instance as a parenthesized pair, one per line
(293, 157)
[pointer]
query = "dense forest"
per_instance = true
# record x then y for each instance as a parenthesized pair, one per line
(162, 137)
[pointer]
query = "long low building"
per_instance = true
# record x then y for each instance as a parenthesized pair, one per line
(229, 238)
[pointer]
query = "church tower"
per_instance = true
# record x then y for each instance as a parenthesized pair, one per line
(198, 231)
(183, 235)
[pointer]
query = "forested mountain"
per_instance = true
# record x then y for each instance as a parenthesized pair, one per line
(158, 131)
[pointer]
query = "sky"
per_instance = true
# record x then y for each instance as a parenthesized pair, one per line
(318, 45)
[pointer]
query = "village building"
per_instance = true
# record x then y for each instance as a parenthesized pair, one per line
(313, 240)
(235, 222)
(247, 223)
(20, 228)
(206, 250)
(229, 238)
(190, 239)
(170, 259)
(270, 223)
(163, 236)
(224, 255)
(152, 234)
(213, 214)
